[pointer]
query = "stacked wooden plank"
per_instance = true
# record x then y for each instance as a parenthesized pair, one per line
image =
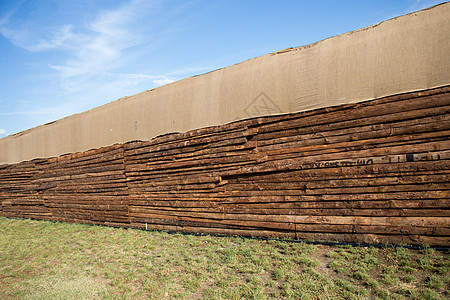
(173, 176)
(19, 192)
(375, 172)
(371, 172)
(88, 187)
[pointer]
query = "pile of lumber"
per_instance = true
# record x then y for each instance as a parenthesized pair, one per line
(376, 172)
(88, 187)
(19, 192)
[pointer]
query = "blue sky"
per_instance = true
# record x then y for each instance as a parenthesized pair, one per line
(60, 57)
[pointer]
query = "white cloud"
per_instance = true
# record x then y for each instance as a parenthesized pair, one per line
(14, 36)
(97, 46)
(163, 81)
(60, 38)
(101, 47)
(86, 58)
(93, 49)
(2, 132)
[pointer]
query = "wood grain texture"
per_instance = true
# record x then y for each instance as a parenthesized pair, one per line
(374, 172)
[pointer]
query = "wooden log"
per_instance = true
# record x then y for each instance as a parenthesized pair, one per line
(265, 197)
(339, 191)
(85, 155)
(350, 172)
(95, 192)
(186, 136)
(22, 202)
(402, 195)
(197, 162)
(35, 216)
(180, 181)
(35, 209)
(90, 207)
(429, 151)
(214, 223)
(101, 158)
(387, 131)
(87, 200)
(361, 112)
(395, 122)
(388, 134)
(74, 171)
(384, 212)
(82, 197)
(174, 191)
(383, 142)
(212, 142)
(339, 204)
(84, 176)
(195, 167)
(201, 153)
(337, 220)
(289, 164)
(89, 186)
(302, 228)
(172, 188)
(340, 183)
(400, 119)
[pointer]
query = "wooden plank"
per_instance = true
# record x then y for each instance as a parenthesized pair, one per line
(361, 112)
(306, 219)
(400, 119)
(339, 204)
(359, 132)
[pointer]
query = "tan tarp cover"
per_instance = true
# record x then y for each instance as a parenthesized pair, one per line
(408, 53)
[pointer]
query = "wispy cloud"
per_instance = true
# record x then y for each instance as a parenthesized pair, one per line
(62, 38)
(2, 132)
(91, 48)
(87, 52)
(89, 62)
(14, 35)
(163, 81)
(100, 47)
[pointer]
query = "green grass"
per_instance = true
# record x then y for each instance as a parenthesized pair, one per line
(45, 260)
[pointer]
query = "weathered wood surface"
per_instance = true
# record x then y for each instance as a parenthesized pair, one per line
(375, 172)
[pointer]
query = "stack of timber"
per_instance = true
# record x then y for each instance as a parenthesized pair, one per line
(88, 187)
(370, 172)
(375, 171)
(19, 192)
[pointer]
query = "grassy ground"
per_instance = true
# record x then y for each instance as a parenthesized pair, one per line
(44, 260)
